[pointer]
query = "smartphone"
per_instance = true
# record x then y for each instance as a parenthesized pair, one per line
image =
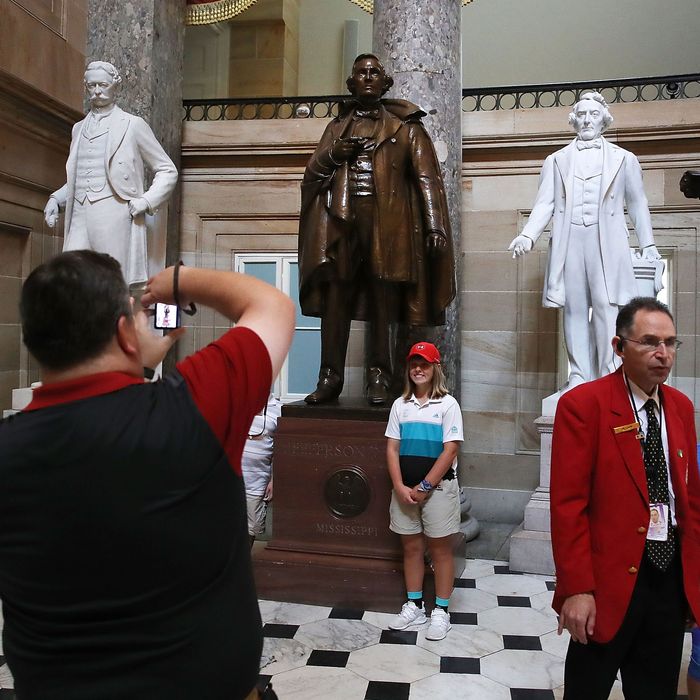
(167, 316)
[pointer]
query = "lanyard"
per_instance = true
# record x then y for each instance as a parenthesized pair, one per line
(640, 435)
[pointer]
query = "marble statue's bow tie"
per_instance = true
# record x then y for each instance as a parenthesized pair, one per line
(582, 145)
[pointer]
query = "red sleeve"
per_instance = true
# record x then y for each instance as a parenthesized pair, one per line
(573, 459)
(229, 381)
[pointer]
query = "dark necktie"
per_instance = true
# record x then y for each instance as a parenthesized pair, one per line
(660, 553)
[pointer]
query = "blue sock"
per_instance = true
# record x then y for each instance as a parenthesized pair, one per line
(416, 597)
(442, 603)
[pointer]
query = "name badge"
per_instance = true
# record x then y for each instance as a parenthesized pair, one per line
(626, 428)
(658, 522)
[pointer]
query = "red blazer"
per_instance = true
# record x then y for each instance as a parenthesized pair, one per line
(599, 497)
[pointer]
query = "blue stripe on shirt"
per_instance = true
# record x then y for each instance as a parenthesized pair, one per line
(421, 439)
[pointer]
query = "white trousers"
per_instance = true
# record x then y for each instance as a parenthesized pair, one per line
(588, 342)
(103, 226)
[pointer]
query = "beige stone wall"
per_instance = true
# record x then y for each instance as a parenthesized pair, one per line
(39, 102)
(240, 185)
(264, 50)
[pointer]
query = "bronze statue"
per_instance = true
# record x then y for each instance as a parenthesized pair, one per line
(374, 233)
(690, 184)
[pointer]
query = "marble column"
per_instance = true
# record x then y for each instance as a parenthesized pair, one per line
(419, 44)
(144, 39)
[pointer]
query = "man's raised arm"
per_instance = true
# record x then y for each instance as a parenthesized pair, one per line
(242, 299)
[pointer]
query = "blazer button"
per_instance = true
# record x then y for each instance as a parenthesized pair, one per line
(393, 140)
(632, 570)
(126, 177)
(641, 529)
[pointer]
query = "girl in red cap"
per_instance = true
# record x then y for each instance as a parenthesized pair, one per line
(424, 433)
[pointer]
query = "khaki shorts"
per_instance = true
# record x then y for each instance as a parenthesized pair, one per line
(439, 516)
(257, 510)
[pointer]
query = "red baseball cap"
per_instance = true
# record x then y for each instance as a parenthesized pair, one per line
(425, 350)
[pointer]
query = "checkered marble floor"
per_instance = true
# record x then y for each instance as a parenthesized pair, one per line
(503, 646)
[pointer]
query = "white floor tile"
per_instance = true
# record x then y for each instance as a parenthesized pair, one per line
(524, 669)
(291, 613)
(519, 621)
(463, 640)
(471, 600)
(319, 683)
(511, 584)
(338, 635)
(462, 686)
(398, 663)
(281, 655)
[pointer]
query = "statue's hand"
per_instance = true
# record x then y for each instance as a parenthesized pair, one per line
(346, 149)
(520, 245)
(51, 211)
(651, 254)
(436, 243)
(137, 206)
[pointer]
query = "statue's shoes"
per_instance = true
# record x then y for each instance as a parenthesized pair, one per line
(328, 388)
(377, 391)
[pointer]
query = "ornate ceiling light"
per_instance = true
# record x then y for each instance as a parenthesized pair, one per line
(210, 11)
(368, 5)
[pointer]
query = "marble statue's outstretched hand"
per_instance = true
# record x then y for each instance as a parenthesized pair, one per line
(137, 206)
(51, 211)
(651, 254)
(520, 245)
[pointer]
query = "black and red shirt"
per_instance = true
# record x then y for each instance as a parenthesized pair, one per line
(124, 559)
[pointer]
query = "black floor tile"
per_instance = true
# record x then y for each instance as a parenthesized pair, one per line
(458, 664)
(279, 631)
(346, 614)
(463, 618)
(522, 642)
(337, 659)
(465, 583)
(383, 690)
(398, 637)
(551, 585)
(531, 694)
(514, 601)
(501, 569)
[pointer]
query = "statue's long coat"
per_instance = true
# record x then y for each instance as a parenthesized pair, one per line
(409, 203)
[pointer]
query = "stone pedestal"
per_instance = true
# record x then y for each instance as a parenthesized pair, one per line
(531, 546)
(331, 543)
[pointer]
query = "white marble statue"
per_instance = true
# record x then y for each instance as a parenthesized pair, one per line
(104, 196)
(585, 186)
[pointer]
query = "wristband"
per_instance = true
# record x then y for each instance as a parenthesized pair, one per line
(426, 486)
(192, 309)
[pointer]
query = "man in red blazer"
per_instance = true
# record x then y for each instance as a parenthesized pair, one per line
(622, 589)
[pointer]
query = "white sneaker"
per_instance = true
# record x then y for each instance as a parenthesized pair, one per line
(439, 625)
(410, 615)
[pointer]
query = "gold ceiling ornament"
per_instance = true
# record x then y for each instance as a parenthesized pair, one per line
(368, 5)
(210, 11)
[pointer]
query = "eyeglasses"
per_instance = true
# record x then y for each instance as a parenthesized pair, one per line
(652, 344)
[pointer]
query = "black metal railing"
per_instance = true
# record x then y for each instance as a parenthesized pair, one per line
(566, 95)
(473, 99)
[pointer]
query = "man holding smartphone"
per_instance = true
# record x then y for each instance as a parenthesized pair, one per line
(124, 560)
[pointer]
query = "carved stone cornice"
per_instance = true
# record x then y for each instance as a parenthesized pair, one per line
(22, 105)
